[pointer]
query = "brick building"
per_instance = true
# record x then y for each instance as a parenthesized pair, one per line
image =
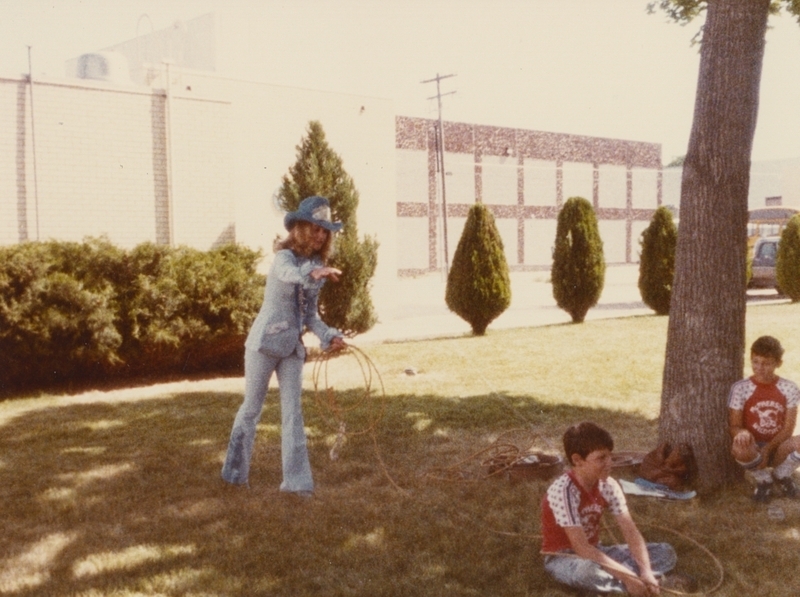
(524, 177)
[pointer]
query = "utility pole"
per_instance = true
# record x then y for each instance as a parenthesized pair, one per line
(170, 166)
(33, 148)
(440, 161)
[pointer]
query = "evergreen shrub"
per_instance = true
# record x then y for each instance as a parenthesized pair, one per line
(578, 270)
(478, 284)
(89, 312)
(57, 317)
(787, 265)
(318, 170)
(181, 303)
(657, 261)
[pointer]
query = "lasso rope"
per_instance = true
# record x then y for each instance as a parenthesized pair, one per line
(717, 564)
(702, 548)
(500, 457)
(336, 414)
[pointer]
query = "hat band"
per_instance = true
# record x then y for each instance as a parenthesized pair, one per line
(323, 212)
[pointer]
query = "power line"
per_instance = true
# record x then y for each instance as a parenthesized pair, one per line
(440, 151)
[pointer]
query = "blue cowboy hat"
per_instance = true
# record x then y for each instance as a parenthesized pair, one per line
(314, 209)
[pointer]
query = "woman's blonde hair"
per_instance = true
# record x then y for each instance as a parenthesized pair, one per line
(299, 241)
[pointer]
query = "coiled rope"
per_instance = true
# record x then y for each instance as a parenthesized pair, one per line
(367, 401)
(512, 449)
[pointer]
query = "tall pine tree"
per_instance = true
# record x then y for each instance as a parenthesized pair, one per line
(345, 305)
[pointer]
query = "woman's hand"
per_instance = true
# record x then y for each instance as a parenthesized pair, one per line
(337, 344)
(326, 272)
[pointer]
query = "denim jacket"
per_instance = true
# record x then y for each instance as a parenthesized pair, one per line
(289, 307)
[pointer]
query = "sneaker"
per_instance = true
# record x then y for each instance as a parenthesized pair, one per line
(763, 493)
(788, 487)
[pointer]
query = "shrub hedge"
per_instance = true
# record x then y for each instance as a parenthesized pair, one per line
(72, 313)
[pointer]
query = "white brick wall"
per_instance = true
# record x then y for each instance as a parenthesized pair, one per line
(540, 182)
(101, 165)
(94, 156)
(9, 212)
(612, 188)
(499, 180)
(201, 150)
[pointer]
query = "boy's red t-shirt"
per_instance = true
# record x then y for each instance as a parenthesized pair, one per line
(764, 405)
(568, 504)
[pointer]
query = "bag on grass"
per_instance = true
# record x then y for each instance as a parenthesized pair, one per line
(673, 466)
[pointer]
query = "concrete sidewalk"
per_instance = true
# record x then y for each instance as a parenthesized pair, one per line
(422, 313)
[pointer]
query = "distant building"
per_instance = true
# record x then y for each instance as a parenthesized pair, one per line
(185, 45)
(773, 183)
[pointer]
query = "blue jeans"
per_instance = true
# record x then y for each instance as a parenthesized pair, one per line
(585, 574)
(258, 369)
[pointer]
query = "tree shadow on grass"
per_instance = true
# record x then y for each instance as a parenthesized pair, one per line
(122, 498)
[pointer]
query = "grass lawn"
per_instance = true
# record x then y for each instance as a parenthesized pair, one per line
(118, 493)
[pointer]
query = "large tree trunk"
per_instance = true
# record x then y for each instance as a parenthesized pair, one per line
(705, 338)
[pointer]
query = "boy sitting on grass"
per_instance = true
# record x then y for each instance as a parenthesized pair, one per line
(571, 513)
(762, 412)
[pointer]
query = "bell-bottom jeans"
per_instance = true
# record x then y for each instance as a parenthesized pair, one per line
(258, 368)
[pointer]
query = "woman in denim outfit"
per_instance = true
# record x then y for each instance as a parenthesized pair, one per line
(274, 344)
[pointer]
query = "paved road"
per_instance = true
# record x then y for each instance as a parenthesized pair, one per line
(421, 311)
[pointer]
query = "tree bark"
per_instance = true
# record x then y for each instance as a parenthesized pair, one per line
(705, 337)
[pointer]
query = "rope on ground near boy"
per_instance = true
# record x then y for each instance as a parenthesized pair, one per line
(672, 591)
(510, 454)
(631, 574)
(700, 546)
(367, 400)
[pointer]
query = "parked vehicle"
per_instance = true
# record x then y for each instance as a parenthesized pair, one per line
(768, 221)
(765, 254)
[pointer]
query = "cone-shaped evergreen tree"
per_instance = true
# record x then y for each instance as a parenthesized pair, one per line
(657, 261)
(787, 264)
(579, 268)
(478, 286)
(345, 305)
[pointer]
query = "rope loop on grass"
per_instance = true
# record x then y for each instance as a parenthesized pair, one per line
(700, 593)
(701, 547)
(720, 571)
(338, 414)
(508, 453)
(333, 411)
